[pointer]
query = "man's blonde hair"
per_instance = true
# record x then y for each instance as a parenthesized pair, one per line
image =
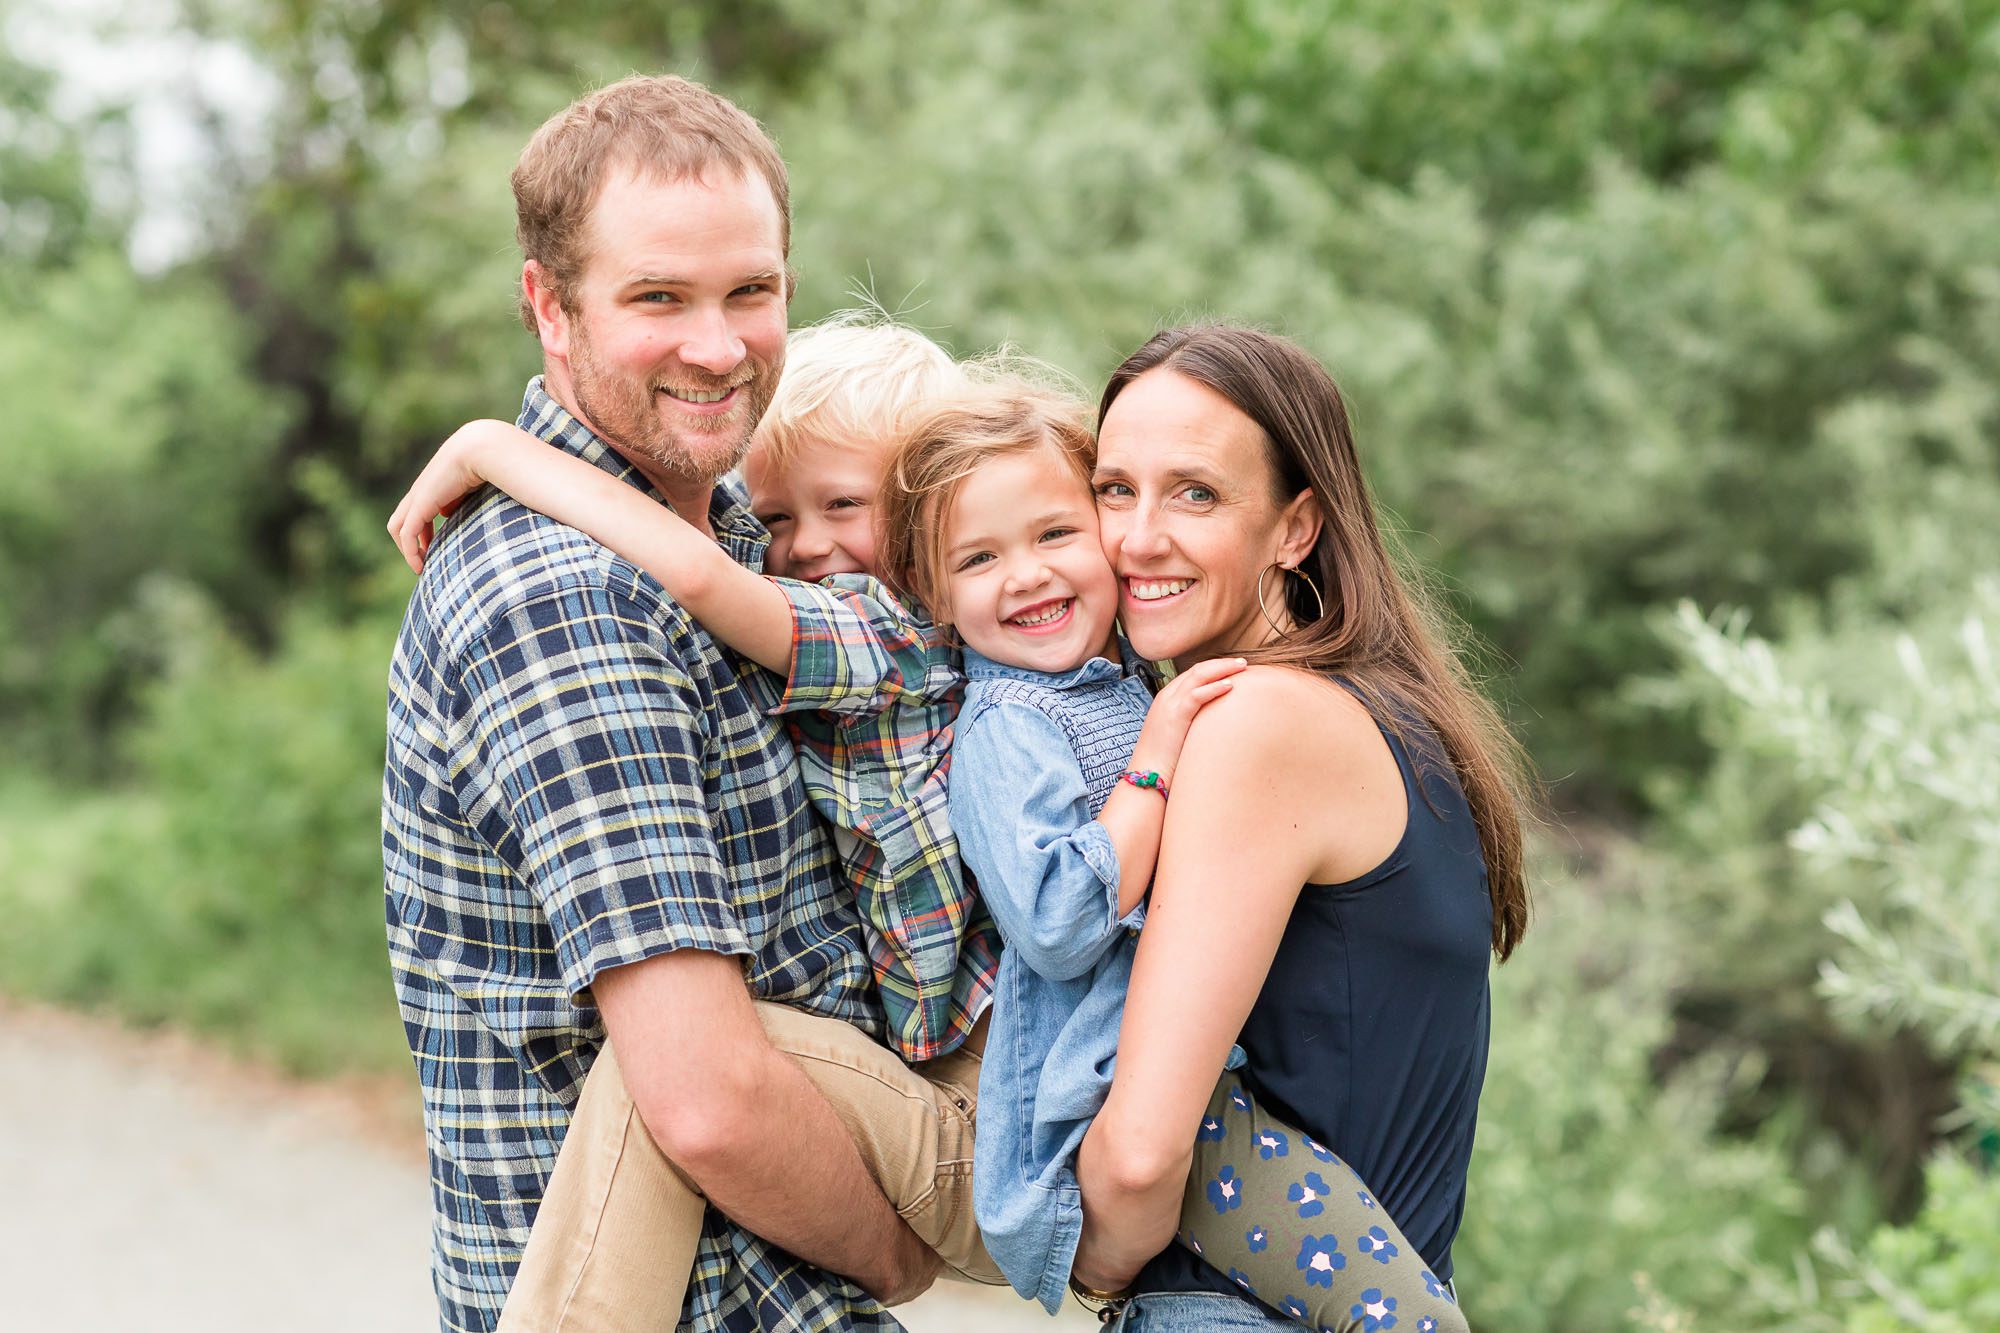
(661, 127)
(1000, 415)
(853, 379)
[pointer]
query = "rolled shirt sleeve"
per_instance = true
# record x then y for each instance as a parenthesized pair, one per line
(583, 766)
(858, 649)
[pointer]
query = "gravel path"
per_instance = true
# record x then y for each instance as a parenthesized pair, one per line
(151, 1184)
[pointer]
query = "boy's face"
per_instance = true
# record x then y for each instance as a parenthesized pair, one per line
(820, 509)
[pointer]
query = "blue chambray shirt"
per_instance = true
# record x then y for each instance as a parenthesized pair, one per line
(1035, 757)
(578, 778)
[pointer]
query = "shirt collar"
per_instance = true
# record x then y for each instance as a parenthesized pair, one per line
(978, 666)
(728, 505)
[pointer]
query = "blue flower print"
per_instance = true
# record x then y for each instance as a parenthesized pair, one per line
(1428, 1324)
(1211, 1131)
(1374, 1310)
(1240, 1098)
(1367, 1199)
(1319, 1151)
(1308, 1195)
(1377, 1245)
(1270, 1143)
(1294, 1307)
(1258, 1238)
(1242, 1279)
(1435, 1287)
(1226, 1191)
(1319, 1259)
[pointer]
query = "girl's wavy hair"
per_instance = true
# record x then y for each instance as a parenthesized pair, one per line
(1010, 408)
(1384, 633)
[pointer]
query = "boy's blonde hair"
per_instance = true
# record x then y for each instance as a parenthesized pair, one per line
(1002, 413)
(852, 379)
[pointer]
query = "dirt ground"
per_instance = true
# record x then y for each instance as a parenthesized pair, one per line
(150, 1183)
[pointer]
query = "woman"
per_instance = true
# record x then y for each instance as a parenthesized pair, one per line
(1343, 848)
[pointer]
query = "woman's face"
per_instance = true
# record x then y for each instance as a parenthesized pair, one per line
(1189, 521)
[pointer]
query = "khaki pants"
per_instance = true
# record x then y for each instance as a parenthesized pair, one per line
(615, 1238)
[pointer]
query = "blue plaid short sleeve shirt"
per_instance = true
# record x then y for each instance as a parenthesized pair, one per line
(579, 778)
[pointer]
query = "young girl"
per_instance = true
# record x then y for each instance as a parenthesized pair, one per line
(1062, 763)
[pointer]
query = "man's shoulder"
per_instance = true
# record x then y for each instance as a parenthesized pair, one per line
(500, 558)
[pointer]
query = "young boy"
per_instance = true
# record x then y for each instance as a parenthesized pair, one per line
(869, 693)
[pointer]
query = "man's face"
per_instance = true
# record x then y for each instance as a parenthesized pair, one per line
(675, 335)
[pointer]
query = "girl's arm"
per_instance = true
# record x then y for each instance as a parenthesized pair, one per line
(1021, 811)
(1246, 829)
(742, 609)
(1134, 816)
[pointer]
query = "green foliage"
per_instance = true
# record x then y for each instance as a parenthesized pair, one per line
(1942, 1271)
(1904, 778)
(1574, 1111)
(140, 445)
(234, 885)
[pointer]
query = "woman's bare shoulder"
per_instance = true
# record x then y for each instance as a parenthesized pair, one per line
(1297, 720)
(1297, 747)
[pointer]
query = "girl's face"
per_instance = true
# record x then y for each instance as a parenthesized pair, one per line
(1185, 507)
(1025, 579)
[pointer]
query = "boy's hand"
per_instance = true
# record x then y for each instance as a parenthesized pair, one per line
(1173, 710)
(452, 474)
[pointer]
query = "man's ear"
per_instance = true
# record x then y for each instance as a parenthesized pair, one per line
(551, 320)
(1298, 528)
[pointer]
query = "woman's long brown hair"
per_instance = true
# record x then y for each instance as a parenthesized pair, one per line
(1384, 634)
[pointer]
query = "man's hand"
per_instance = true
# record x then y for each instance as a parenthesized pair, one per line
(746, 1124)
(911, 1268)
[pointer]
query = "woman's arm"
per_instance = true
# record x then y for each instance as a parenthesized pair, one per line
(1246, 828)
(742, 609)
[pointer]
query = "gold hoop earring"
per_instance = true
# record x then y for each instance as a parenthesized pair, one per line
(1303, 576)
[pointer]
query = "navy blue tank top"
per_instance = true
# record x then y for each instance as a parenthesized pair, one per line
(1370, 1032)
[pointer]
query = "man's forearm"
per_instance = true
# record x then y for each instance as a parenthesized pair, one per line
(744, 1122)
(786, 1169)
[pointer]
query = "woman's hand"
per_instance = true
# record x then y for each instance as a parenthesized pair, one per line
(455, 471)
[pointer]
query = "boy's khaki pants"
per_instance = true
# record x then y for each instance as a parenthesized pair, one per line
(615, 1238)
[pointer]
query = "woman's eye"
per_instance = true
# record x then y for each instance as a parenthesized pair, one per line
(1200, 495)
(1113, 490)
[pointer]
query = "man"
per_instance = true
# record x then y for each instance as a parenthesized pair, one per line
(591, 827)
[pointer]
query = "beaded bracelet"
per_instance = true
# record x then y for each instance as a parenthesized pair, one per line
(1146, 778)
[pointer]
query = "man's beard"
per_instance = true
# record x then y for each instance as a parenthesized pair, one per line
(624, 412)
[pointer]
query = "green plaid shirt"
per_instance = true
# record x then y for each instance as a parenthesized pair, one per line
(871, 698)
(578, 778)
